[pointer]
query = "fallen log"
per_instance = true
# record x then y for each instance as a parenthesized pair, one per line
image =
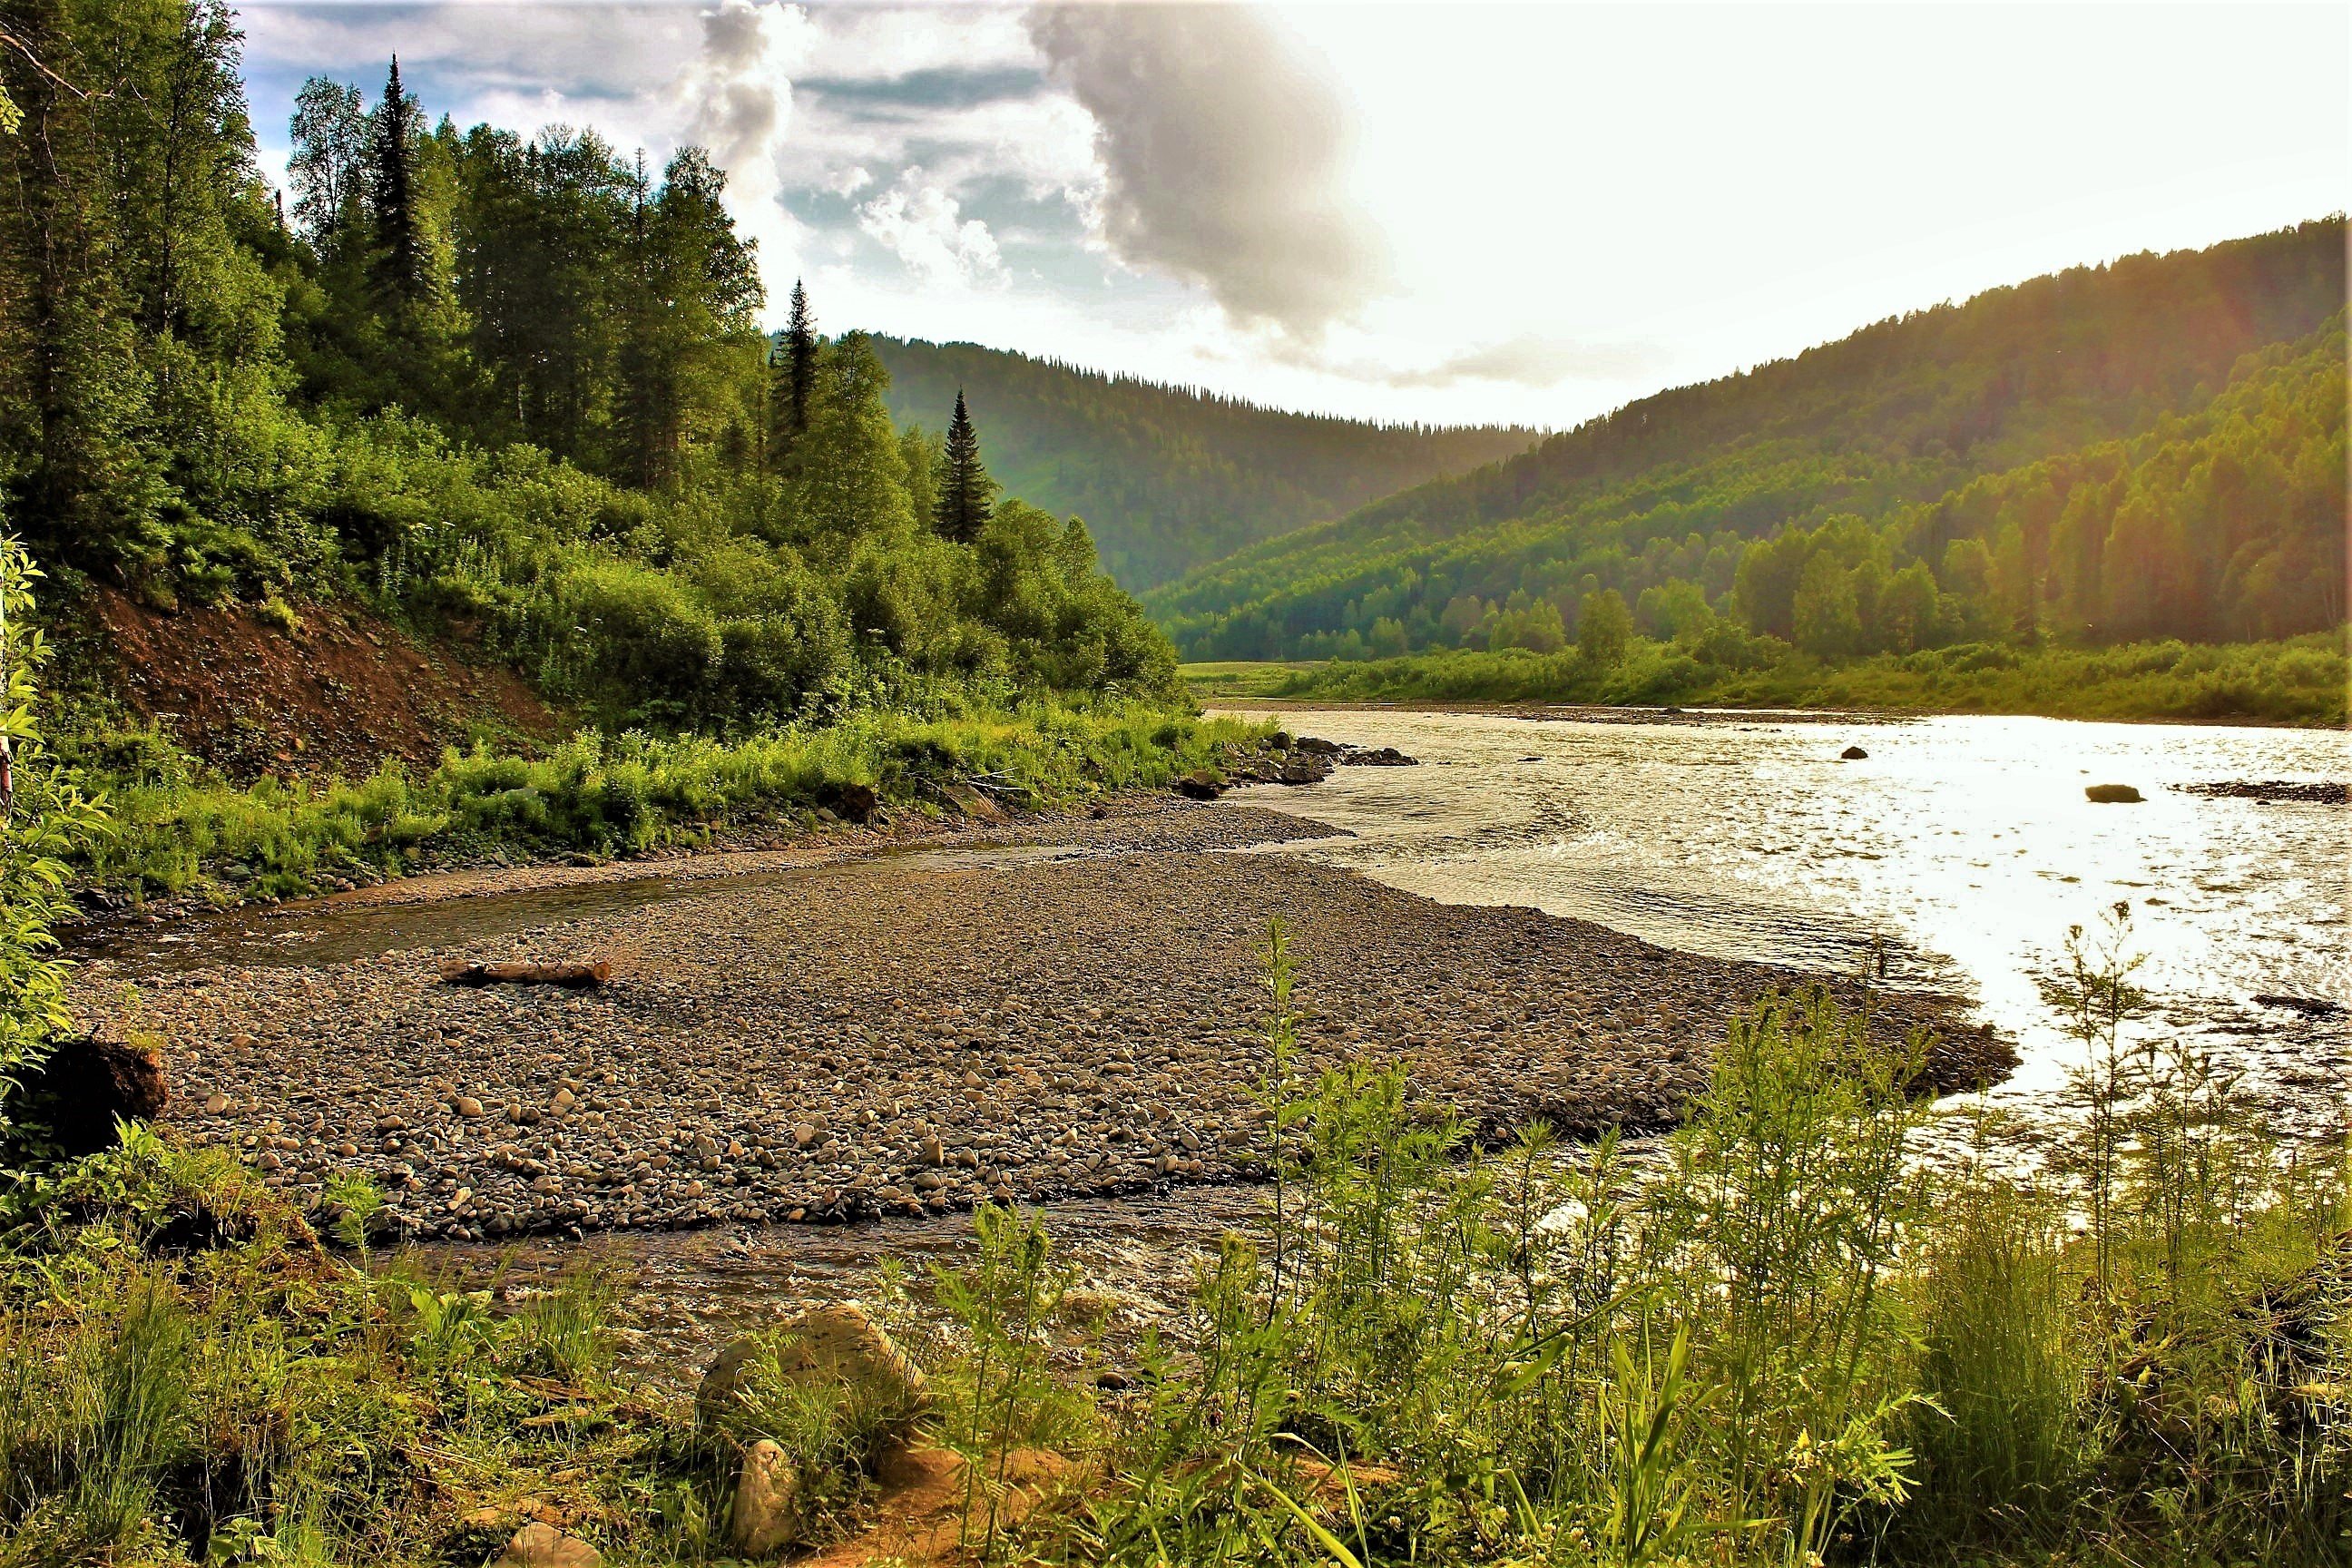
(462, 971)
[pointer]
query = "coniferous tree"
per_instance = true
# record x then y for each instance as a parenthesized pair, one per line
(796, 373)
(400, 271)
(967, 495)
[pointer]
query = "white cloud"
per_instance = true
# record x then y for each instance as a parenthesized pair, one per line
(738, 97)
(1224, 158)
(925, 227)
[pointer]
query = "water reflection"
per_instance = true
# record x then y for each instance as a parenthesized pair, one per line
(1964, 844)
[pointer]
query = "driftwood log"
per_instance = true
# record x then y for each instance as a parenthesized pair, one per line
(460, 971)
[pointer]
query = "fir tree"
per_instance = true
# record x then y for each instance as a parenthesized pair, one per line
(967, 495)
(792, 365)
(399, 271)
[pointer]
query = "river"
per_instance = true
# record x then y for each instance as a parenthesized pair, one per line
(1963, 845)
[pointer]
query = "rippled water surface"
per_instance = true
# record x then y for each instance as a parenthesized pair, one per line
(1963, 844)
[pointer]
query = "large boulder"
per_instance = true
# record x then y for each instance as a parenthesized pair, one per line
(544, 1546)
(836, 1345)
(85, 1086)
(1200, 785)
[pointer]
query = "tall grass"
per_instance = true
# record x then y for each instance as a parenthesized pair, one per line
(624, 793)
(1783, 1337)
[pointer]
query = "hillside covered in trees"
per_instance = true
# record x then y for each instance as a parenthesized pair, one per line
(508, 389)
(1168, 478)
(2150, 450)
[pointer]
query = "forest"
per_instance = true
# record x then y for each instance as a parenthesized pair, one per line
(509, 390)
(2149, 450)
(1170, 478)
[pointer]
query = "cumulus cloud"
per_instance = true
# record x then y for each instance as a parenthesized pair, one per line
(1224, 158)
(925, 227)
(738, 95)
(1532, 360)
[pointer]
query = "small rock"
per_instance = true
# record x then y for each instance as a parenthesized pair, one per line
(2112, 794)
(1853, 755)
(466, 1106)
(766, 1517)
(544, 1546)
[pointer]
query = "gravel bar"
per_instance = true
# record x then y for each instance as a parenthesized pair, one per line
(915, 1033)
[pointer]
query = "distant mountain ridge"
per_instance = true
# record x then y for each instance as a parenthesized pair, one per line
(1167, 478)
(1890, 427)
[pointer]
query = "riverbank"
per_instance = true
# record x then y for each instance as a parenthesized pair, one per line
(181, 839)
(2299, 681)
(911, 1034)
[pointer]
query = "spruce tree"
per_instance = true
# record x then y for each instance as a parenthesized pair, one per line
(794, 363)
(967, 495)
(398, 269)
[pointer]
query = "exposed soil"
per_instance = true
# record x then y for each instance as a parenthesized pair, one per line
(336, 697)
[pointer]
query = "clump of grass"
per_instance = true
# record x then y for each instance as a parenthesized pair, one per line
(178, 1393)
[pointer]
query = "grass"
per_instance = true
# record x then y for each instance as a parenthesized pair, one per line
(1782, 1339)
(2302, 681)
(175, 831)
(1241, 676)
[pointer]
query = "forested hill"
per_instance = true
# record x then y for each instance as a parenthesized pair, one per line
(2149, 448)
(1167, 478)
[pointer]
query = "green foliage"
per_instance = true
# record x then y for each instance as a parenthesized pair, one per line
(186, 1377)
(44, 821)
(619, 793)
(1789, 1339)
(512, 388)
(2302, 680)
(2149, 450)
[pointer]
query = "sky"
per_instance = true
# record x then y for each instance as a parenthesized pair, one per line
(1446, 213)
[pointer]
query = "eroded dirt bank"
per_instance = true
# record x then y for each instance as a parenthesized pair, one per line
(888, 1035)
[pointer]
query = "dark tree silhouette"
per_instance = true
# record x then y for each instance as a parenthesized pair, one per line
(398, 270)
(967, 495)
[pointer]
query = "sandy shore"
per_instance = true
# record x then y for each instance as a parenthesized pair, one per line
(819, 1038)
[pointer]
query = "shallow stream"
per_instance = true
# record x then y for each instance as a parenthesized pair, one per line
(1961, 847)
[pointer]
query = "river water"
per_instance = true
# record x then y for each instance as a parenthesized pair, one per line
(1963, 845)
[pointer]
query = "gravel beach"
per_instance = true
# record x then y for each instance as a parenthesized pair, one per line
(803, 1039)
